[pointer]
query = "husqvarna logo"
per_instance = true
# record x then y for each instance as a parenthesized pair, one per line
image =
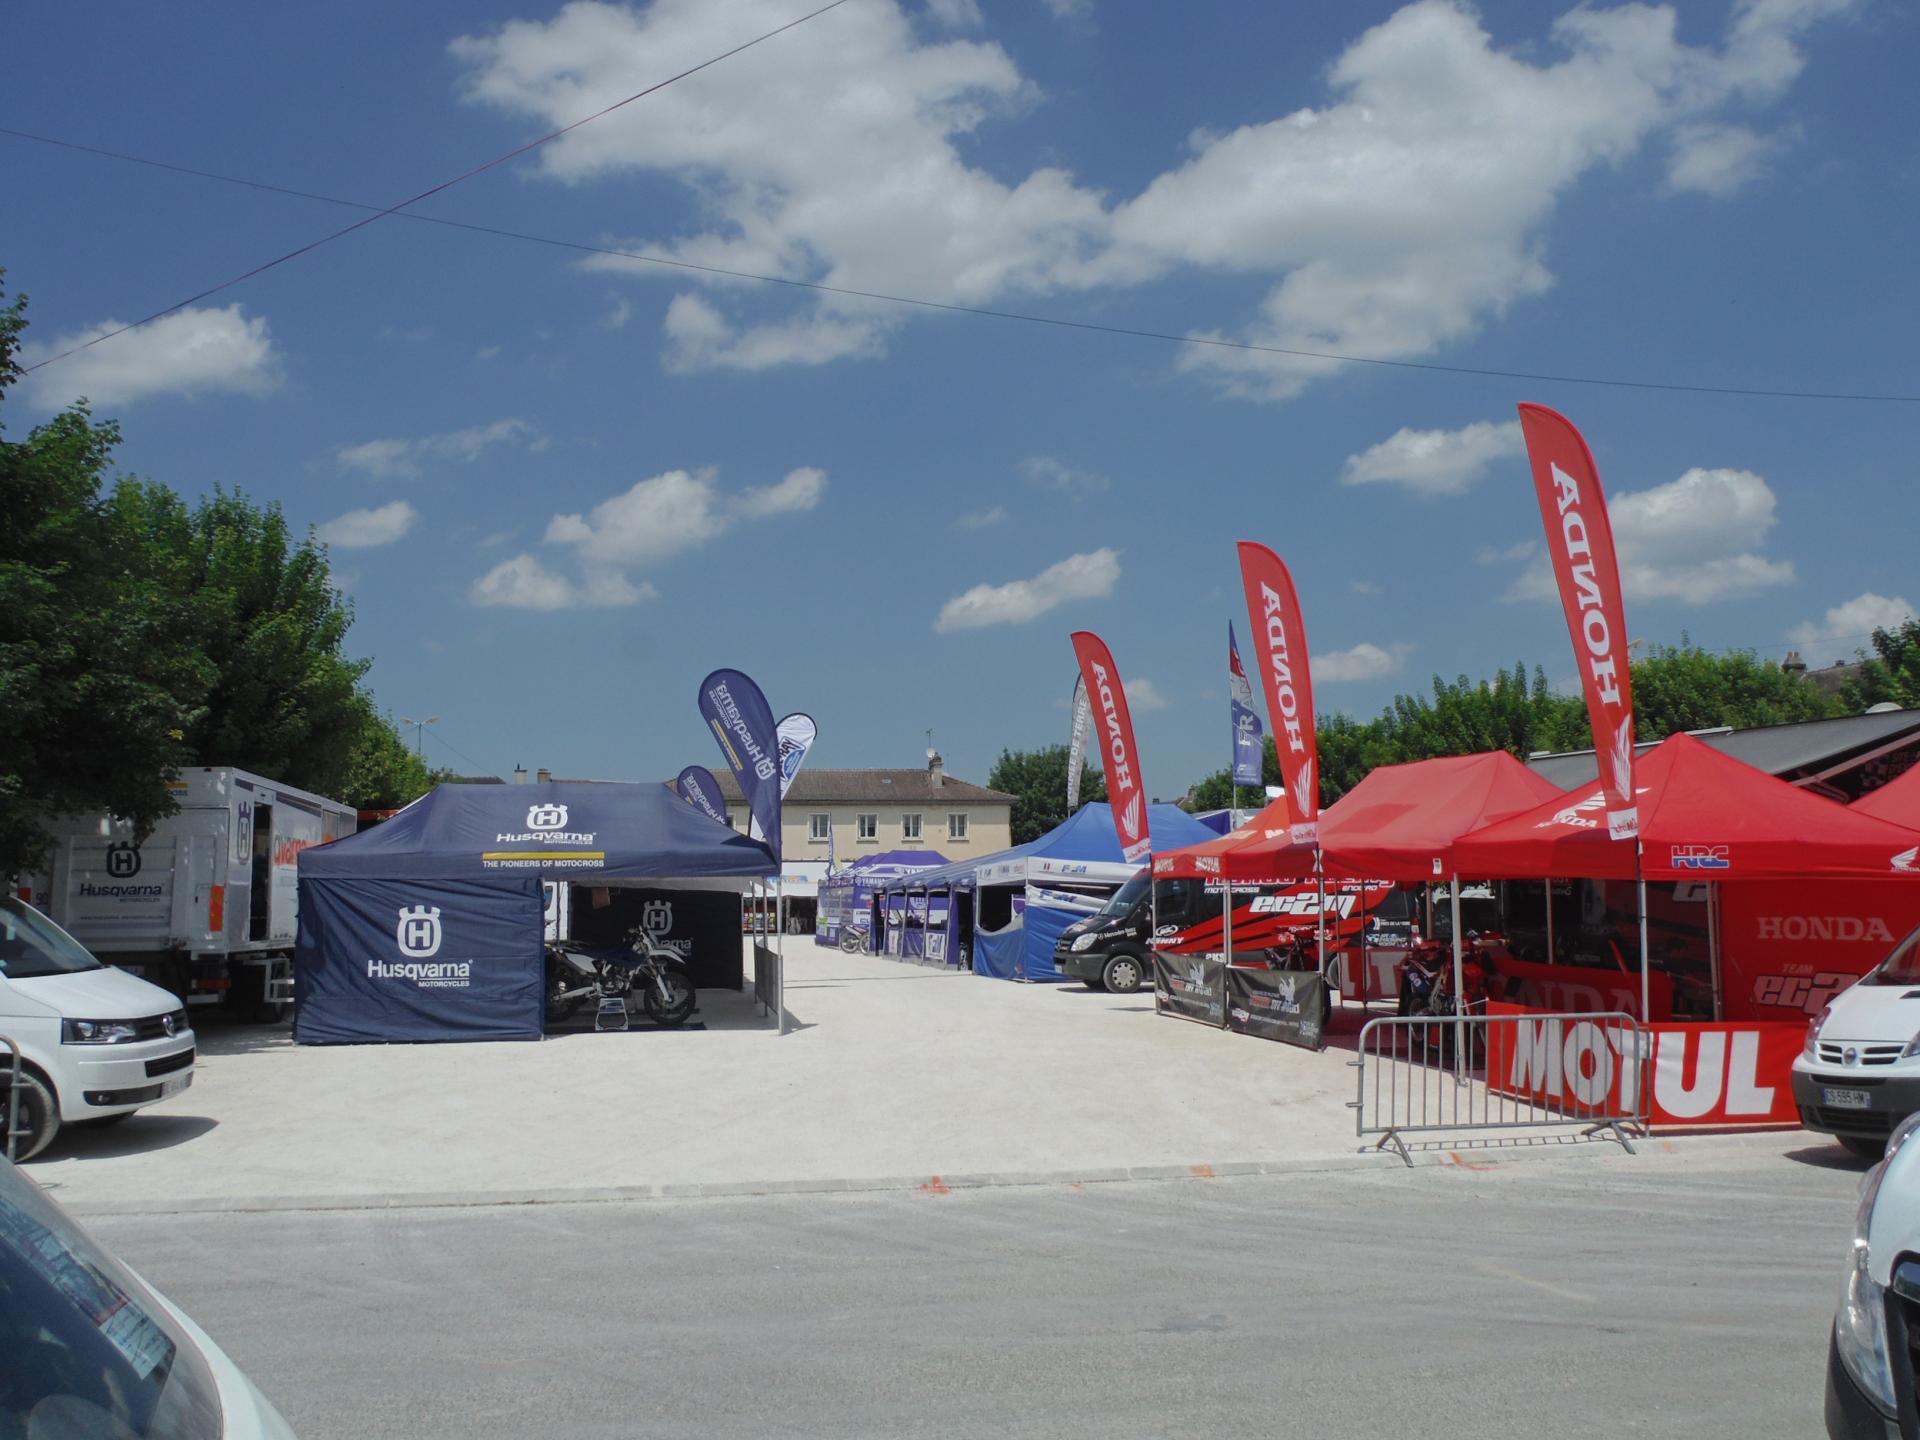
(547, 817)
(419, 932)
(656, 918)
(123, 861)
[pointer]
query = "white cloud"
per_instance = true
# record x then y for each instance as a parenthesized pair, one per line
(523, 583)
(487, 352)
(1849, 626)
(658, 517)
(190, 352)
(955, 14)
(619, 312)
(800, 490)
(1696, 540)
(1508, 555)
(1361, 662)
(1078, 577)
(1142, 694)
(362, 529)
(1069, 9)
(1436, 462)
(400, 458)
(1046, 473)
(982, 519)
(1403, 213)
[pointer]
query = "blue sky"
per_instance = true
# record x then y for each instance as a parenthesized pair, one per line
(560, 489)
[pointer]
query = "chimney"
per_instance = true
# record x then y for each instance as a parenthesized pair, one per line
(1793, 664)
(936, 769)
(543, 775)
(519, 774)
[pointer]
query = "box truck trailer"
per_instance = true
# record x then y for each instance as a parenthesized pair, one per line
(207, 905)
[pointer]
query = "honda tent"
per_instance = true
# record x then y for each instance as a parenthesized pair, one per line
(1897, 801)
(431, 926)
(1029, 894)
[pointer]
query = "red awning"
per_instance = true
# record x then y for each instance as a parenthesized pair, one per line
(1897, 801)
(1264, 841)
(1401, 822)
(1703, 816)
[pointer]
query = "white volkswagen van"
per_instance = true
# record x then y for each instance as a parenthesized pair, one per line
(95, 1043)
(1859, 1075)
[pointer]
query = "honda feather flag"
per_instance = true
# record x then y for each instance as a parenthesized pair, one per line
(1246, 721)
(1280, 641)
(1580, 539)
(699, 789)
(1126, 790)
(1077, 742)
(743, 724)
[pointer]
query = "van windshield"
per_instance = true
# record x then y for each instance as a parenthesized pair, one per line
(1127, 896)
(31, 944)
(1902, 967)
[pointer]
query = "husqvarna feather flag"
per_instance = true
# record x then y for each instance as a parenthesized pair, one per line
(742, 723)
(1280, 644)
(1077, 742)
(1580, 540)
(699, 789)
(1246, 720)
(1113, 729)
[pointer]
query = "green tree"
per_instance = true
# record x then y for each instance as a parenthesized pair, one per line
(1037, 780)
(382, 773)
(99, 677)
(1682, 687)
(1891, 675)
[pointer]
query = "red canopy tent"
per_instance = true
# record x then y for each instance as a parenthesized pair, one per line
(1206, 858)
(1402, 821)
(1897, 801)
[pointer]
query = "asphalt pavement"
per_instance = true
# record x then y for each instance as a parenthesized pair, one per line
(1683, 1293)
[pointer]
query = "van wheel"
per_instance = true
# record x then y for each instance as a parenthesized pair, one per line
(1867, 1147)
(1122, 975)
(36, 1115)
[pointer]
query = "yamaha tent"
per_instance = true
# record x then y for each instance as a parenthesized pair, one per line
(1029, 894)
(431, 926)
(846, 896)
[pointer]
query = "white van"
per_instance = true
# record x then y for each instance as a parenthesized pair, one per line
(1859, 1075)
(95, 1043)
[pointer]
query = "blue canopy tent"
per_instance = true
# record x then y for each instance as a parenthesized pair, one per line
(432, 925)
(1029, 894)
(945, 895)
(846, 896)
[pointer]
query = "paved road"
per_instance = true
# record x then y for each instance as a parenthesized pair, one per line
(1683, 1295)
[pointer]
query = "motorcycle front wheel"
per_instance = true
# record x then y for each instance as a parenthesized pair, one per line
(675, 1006)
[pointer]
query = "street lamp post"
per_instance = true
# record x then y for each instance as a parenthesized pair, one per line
(419, 733)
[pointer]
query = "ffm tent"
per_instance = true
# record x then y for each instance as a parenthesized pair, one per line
(431, 926)
(1028, 895)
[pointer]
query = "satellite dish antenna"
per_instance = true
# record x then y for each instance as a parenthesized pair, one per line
(931, 752)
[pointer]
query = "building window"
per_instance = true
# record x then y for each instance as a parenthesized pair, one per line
(956, 826)
(819, 828)
(869, 826)
(909, 827)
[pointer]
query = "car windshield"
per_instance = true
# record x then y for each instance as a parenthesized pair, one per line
(1902, 966)
(84, 1348)
(31, 944)
(1127, 896)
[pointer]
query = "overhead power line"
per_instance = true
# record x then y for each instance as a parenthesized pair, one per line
(380, 213)
(1061, 322)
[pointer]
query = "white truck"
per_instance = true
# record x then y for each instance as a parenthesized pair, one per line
(207, 905)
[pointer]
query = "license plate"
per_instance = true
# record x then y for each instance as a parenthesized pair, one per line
(1845, 1099)
(175, 1085)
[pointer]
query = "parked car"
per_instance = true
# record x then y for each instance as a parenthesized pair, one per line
(1859, 1075)
(1870, 1356)
(96, 1044)
(86, 1348)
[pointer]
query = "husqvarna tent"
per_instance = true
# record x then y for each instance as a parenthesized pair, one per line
(1028, 895)
(431, 926)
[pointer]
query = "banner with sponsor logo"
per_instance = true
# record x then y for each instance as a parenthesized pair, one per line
(1580, 542)
(386, 960)
(1077, 741)
(1119, 756)
(1247, 733)
(1280, 649)
(743, 725)
(796, 734)
(698, 788)
(1727, 1074)
(1192, 987)
(1786, 950)
(1285, 1005)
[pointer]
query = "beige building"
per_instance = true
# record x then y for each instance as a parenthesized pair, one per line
(850, 813)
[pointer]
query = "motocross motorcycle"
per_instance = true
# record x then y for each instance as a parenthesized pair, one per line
(1426, 989)
(576, 975)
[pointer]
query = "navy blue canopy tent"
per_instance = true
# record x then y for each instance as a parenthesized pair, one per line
(846, 896)
(431, 926)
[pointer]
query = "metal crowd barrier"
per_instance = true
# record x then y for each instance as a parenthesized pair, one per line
(9, 1132)
(1502, 1072)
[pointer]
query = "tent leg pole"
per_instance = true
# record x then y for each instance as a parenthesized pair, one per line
(1713, 943)
(780, 976)
(1547, 896)
(1226, 920)
(1459, 991)
(1646, 990)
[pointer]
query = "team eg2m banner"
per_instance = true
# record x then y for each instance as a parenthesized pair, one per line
(1113, 725)
(742, 723)
(1194, 987)
(1285, 1005)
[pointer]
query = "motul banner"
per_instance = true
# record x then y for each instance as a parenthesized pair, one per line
(1701, 1074)
(699, 789)
(743, 725)
(1580, 540)
(1280, 642)
(1077, 742)
(1126, 789)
